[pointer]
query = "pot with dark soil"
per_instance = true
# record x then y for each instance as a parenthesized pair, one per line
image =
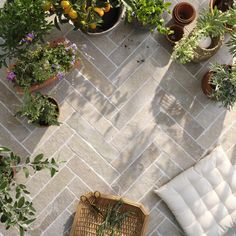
(40, 110)
(184, 13)
(176, 35)
(219, 84)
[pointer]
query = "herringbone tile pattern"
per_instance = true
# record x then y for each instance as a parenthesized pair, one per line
(132, 120)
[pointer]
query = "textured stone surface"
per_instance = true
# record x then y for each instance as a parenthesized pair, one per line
(132, 120)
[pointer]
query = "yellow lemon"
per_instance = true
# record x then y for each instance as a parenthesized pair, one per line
(65, 4)
(47, 6)
(67, 10)
(92, 26)
(107, 8)
(99, 11)
(73, 14)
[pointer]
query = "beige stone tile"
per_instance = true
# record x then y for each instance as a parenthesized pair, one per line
(60, 180)
(155, 219)
(91, 94)
(53, 210)
(130, 175)
(90, 134)
(135, 62)
(167, 228)
(78, 187)
(146, 93)
(12, 124)
(128, 46)
(89, 176)
(144, 183)
(91, 157)
(96, 119)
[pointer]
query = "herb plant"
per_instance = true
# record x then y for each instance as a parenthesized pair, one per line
(15, 207)
(113, 220)
(23, 22)
(39, 109)
(149, 13)
(223, 81)
(39, 64)
(208, 24)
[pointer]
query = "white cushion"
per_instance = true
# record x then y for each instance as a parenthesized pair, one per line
(202, 197)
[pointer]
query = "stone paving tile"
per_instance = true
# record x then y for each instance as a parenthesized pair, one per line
(53, 210)
(156, 217)
(167, 228)
(133, 63)
(55, 185)
(91, 157)
(11, 123)
(96, 119)
(80, 168)
(60, 226)
(89, 134)
(78, 187)
(135, 81)
(91, 94)
(106, 67)
(137, 168)
(128, 46)
(136, 102)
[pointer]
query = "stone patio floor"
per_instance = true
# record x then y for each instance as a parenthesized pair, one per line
(132, 119)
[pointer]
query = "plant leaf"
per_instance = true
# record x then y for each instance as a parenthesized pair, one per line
(21, 202)
(22, 231)
(26, 171)
(38, 158)
(3, 185)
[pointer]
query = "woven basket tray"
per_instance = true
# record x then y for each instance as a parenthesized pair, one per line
(86, 222)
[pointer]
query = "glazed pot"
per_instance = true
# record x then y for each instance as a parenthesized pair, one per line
(184, 13)
(110, 21)
(177, 35)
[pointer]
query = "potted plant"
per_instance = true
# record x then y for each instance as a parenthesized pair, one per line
(41, 66)
(148, 14)
(219, 83)
(176, 34)
(184, 13)
(23, 22)
(209, 26)
(93, 17)
(40, 109)
(15, 207)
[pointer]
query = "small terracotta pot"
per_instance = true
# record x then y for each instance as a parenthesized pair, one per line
(177, 35)
(184, 13)
(206, 86)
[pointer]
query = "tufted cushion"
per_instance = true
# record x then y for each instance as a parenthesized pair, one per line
(202, 197)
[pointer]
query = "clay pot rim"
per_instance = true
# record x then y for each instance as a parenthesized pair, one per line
(177, 26)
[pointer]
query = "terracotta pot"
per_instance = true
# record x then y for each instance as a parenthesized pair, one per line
(110, 19)
(184, 13)
(50, 80)
(206, 86)
(177, 35)
(222, 5)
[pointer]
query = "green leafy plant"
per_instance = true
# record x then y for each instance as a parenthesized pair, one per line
(223, 82)
(44, 61)
(83, 14)
(208, 25)
(149, 13)
(23, 22)
(113, 220)
(15, 207)
(39, 109)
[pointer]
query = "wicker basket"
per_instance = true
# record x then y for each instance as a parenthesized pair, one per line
(86, 222)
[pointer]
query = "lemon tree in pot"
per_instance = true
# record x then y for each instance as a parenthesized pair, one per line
(220, 84)
(23, 23)
(39, 109)
(91, 16)
(15, 207)
(148, 14)
(41, 66)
